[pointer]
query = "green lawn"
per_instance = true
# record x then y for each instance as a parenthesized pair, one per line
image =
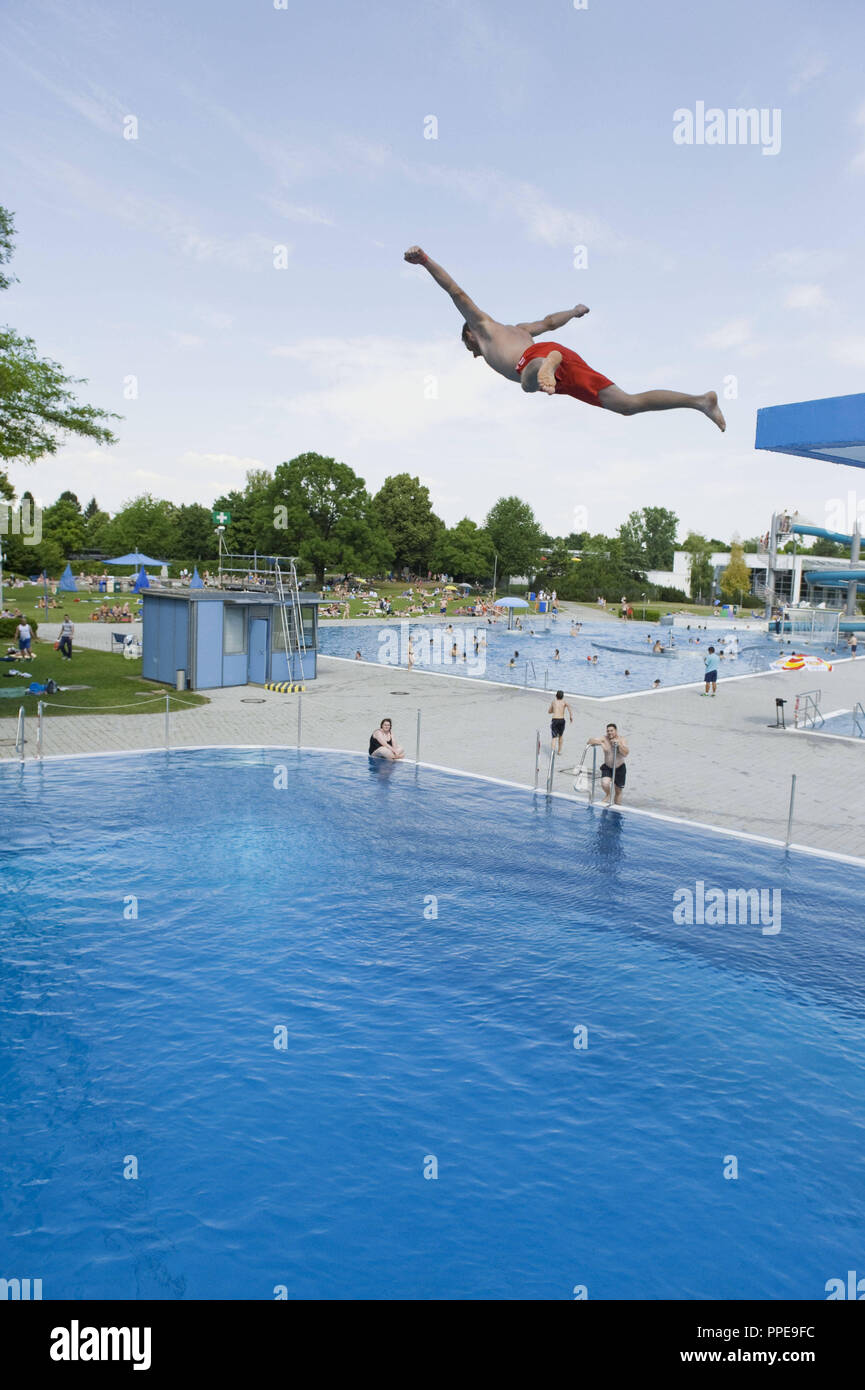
(79, 606)
(358, 609)
(111, 680)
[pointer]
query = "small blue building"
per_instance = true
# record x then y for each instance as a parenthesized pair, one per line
(222, 637)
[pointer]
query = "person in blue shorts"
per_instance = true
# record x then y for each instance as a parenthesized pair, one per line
(710, 661)
(24, 633)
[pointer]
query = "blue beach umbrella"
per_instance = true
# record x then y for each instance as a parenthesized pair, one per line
(135, 557)
(196, 582)
(67, 582)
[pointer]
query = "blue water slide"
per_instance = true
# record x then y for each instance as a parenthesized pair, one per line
(801, 529)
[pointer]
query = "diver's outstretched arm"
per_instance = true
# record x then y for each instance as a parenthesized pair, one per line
(473, 316)
(554, 321)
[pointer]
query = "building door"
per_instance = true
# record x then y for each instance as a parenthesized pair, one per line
(258, 651)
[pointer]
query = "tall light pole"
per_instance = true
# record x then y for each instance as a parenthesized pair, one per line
(643, 596)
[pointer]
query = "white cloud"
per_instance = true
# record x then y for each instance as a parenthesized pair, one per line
(166, 219)
(798, 261)
(850, 351)
(811, 67)
(734, 334)
(393, 388)
(312, 216)
(805, 297)
(88, 100)
(185, 340)
(214, 318)
(227, 465)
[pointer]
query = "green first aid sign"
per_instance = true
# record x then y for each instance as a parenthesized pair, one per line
(221, 518)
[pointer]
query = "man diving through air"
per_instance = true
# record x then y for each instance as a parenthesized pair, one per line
(511, 351)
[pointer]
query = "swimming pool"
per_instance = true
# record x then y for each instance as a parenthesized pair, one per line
(618, 646)
(847, 723)
(429, 943)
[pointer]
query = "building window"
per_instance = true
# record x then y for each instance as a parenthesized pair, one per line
(233, 629)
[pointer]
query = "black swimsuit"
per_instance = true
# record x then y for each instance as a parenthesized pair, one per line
(376, 743)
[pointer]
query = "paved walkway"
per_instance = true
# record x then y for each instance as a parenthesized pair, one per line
(708, 760)
(95, 636)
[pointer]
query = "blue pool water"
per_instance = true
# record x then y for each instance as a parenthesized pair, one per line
(409, 1037)
(847, 725)
(618, 646)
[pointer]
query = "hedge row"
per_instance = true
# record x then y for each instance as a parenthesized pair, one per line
(8, 627)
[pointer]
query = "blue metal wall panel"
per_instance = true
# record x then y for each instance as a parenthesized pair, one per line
(150, 637)
(209, 646)
(813, 427)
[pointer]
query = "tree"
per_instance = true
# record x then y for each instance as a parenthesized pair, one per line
(702, 572)
(145, 523)
(405, 513)
(37, 407)
(196, 534)
(736, 578)
(649, 537)
(465, 551)
(556, 562)
(323, 513)
(603, 569)
(63, 525)
(251, 510)
(516, 536)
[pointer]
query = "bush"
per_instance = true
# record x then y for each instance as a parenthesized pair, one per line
(653, 615)
(670, 595)
(9, 625)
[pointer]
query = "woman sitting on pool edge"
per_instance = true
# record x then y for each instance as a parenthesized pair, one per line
(381, 742)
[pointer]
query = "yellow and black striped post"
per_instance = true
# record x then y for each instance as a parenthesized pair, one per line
(285, 687)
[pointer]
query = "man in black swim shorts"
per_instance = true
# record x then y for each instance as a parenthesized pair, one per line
(557, 724)
(616, 751)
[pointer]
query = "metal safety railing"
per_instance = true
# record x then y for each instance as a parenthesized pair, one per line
(551, 768)
(858, 720)
(806, 710)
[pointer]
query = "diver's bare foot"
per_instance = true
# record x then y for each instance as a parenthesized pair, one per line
(711, 408)
(547, 373)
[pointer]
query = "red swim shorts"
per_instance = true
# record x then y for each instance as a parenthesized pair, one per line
(574, 377)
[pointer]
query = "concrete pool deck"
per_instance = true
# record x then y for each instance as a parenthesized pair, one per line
(713, 761)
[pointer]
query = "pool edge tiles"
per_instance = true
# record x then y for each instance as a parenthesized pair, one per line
(664, 817)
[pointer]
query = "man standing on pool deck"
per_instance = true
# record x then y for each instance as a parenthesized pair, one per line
(710, 661)
(511, 351)
(616, 751)
(557, 723)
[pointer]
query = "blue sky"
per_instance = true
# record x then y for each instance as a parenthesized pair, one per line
(304, 127)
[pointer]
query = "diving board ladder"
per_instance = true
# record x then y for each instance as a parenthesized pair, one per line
(291, 596)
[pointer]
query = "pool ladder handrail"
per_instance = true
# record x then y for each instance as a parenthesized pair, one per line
(806, 715)
(19, 733)
(858, 720)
